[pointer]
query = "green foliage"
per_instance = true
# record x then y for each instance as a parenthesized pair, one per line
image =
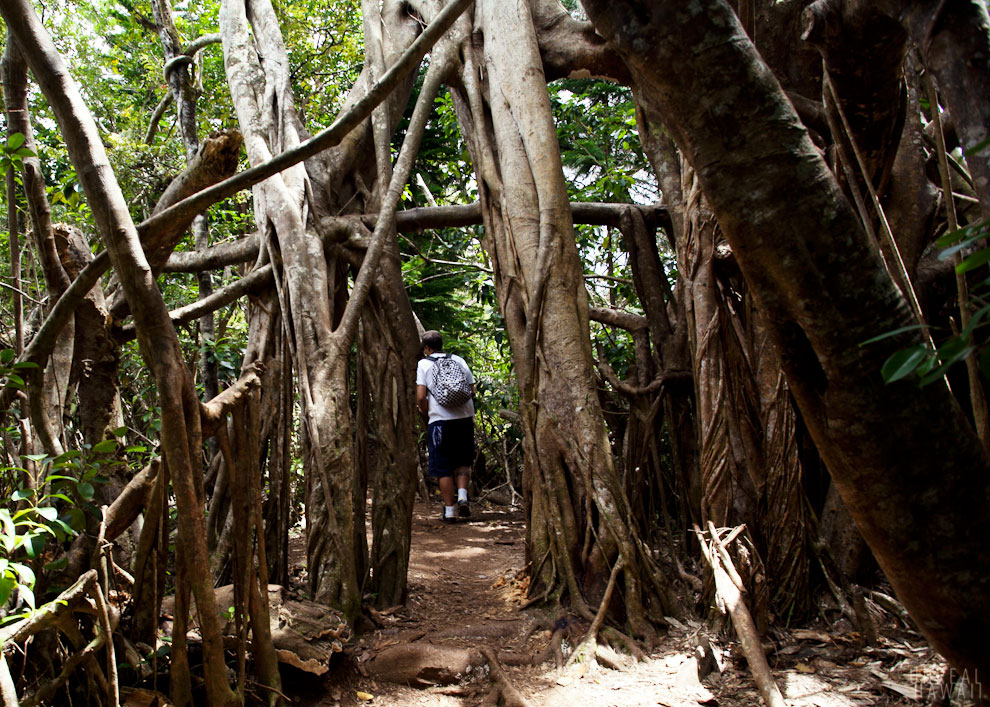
(45, 501)
(599, 142)
(925, 364)
(325, 42)
(13, 153)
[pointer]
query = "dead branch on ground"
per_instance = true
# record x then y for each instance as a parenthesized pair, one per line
(728, 589)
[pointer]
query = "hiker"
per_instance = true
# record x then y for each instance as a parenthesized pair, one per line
(444, 394)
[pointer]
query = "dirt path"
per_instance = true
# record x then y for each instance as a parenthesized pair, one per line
(465, 590)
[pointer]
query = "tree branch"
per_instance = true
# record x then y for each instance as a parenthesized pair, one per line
(618, 318)
(332, 136)
(407, 221)
(222, 297)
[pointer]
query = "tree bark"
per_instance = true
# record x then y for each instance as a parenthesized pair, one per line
(158, 341)
(824, 291)
(573, 489)
(954, 40)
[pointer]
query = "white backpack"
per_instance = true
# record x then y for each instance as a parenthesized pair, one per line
(449, 383)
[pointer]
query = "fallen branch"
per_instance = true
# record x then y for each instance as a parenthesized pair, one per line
(893, 606)
(51, 613)
(731, 597)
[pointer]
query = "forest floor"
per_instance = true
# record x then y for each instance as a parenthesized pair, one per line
(466, 590)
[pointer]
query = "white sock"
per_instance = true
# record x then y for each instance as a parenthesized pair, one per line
(448, 511)
(461, 494)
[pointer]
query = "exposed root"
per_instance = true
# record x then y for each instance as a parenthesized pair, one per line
(608, 658)
(510, 695)
(587, 649)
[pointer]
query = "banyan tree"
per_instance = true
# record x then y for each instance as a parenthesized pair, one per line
(800, 154)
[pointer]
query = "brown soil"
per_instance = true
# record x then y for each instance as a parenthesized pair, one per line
(466, 588)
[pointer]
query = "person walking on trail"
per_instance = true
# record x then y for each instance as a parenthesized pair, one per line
(444, 393)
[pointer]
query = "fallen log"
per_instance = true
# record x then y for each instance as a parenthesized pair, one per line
(424, 664)
(305, 634)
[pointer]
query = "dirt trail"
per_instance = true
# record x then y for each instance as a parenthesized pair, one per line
(465, 590)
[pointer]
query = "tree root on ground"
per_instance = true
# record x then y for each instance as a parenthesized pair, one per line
(428, 665)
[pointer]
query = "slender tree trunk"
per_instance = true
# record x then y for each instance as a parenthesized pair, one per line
(180, 407)
(183, 90)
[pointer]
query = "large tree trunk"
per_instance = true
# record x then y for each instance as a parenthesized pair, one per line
(294, 209)
(919, 496)
(304, 291)
(572, 487)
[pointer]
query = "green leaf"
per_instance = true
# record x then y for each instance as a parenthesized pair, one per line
(26, 594)
(15, 141)
(895, 332)
(980, 257)
(981, 145)
(47, 512)
(974, 321)
(62, 530)
(34, 544)
(7, 355)
(9, 536)
(60, 477)
(106, 446)
(966, 234)
(15, 380)
(6, 587)
(21, 494)
(24, 572)
(76, 518)
(59, 564)
(24, 364)
(86, 490)
(119, 432)
(903, 363)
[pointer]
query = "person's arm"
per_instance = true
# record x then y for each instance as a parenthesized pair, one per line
(422, 400)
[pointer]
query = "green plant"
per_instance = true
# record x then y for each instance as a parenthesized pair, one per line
(13, 152)
(928, 364)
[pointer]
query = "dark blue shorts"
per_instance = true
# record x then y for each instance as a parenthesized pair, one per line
(450, 444)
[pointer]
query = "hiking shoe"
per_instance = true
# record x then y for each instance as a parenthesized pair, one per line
(447, 519)
(463, 509)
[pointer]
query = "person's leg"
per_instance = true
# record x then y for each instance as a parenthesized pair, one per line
(439, 469)
(462, 475)
(447, 490)
(461, 478)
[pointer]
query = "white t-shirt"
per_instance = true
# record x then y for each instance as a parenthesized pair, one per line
(438, 411)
